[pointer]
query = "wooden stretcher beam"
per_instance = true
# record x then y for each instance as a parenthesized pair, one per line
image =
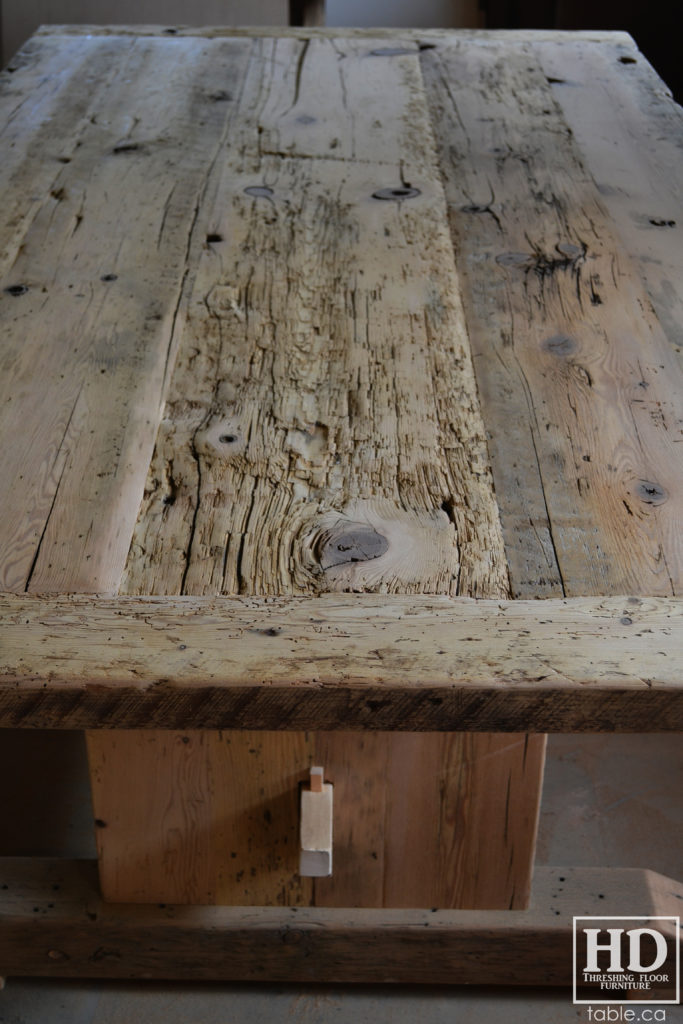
(408, 663)
(53, 923)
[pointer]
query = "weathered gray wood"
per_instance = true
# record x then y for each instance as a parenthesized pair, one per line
(102, 197)
(470, 35)
(334, 662)
(53, 923)
(580, 387)
(630, 133)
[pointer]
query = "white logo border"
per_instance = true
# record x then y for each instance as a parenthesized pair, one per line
(624, 917)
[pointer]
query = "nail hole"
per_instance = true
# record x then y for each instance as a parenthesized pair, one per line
(64, 159)
(126, 147)
(215, 237)
(17, 289)
(99, 823)
(227, 438)
(170, 31)
(554, 81)
(109, 277)
(628, 60)
(402, 192)
(260, 191)
(426, 46)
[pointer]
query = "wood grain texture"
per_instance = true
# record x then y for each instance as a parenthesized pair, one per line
(89, 296)
(73, 933)
(211, 817)
(580, 387)
(630, 132)
(404, 663)
(322, 431)
(44, 80)
(323, 393)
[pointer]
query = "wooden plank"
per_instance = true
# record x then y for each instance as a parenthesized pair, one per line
(580, 387)
(324, 402)
(54, 923)
(345, 32)
(188, 845)
(91, 295)
(344, 662)
(630, 133)
(44, 79)
(332, 398)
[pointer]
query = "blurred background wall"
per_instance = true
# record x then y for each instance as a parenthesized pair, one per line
(653, 25)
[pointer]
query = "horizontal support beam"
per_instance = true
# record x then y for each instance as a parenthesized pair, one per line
(342, 661)
(53, 923)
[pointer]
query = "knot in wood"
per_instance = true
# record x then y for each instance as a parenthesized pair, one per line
(651, 493)
(560, 345)
(349, 542)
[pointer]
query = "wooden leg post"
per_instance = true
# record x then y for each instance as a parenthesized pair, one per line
(421, 820)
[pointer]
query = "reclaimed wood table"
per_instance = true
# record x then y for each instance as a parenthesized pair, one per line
(324, 357)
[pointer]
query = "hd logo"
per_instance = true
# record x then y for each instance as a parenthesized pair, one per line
(627, 958)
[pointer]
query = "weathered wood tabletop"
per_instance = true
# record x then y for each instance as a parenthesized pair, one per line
(372, 313)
